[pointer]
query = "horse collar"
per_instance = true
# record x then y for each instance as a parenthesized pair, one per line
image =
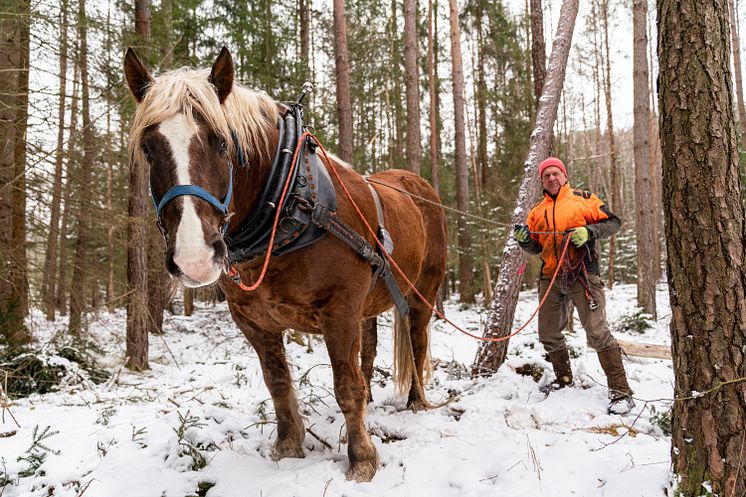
(309, 184)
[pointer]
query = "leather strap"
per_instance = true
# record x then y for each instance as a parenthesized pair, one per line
(324, 218)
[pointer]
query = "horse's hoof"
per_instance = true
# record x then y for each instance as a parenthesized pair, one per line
(361, 471)
(286, 448)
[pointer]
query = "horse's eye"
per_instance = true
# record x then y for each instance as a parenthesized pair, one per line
(223, 147)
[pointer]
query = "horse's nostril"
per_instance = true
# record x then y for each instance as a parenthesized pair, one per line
(219, 247)
(171, 266)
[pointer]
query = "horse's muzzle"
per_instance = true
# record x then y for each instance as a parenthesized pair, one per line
(197, 268)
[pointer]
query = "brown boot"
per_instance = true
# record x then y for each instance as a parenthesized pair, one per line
(616, 378)
(560, 360)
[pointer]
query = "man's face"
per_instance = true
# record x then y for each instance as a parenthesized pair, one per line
(552, 179)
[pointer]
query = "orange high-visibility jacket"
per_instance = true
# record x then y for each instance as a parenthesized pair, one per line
(570, 209)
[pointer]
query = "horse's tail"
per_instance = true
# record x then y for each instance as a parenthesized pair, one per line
(403, 353)
(404, 365)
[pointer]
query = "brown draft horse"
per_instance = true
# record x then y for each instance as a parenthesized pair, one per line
(186, 127)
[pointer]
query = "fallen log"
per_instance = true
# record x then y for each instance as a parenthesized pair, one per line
(646, 350)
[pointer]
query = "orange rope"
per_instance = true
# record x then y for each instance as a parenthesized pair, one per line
(231, 270)
(411, 285)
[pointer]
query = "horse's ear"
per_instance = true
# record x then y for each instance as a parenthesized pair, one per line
(138, 77)
(222, 74)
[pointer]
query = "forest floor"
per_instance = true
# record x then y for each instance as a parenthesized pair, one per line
(200, 422)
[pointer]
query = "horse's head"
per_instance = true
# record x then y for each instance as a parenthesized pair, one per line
(181, 131)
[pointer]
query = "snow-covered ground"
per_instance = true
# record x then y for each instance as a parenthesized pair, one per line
(204, 397)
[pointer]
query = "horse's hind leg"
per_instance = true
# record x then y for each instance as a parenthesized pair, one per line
(342, 336)
(368, 352)
(290, 431)
(419, 321)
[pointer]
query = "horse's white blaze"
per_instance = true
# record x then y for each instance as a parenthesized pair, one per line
(193, 256)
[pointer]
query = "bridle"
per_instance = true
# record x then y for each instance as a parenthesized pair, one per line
(195, 191)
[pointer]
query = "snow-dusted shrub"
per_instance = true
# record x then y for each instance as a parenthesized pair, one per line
(637, 322)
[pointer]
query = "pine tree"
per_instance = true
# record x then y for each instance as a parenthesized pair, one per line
(14, 57)
(137, 294)
(643, 186)
(465, 260)
(706, 247)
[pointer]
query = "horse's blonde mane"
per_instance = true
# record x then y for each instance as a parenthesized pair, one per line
(187, 90)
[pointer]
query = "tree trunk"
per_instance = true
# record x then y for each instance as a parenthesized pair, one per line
(481, 112)
(19, 269)
(342, 65)
(14, 58)
(61, 297)
(594, 182)
(157, 280)
(538, 49)
(465, 261)
(305, 29)
(53, 236)
(188, 300)
(654, 158)
(412, 82)
(109, 190)
(137, 262)
(432, 86)
(491, 355)
(142, 24)
(643, 186)
(167, 48)
(706, 243)
(615, 203)
(735, 44)
(83, 241)
(397, 128)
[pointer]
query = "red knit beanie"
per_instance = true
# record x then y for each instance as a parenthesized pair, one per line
(552, 161)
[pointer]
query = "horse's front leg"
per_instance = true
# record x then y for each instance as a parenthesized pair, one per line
(342, 336)
(368, 353)
(271, 351)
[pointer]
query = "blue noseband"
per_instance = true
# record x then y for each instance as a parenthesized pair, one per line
(195, 191)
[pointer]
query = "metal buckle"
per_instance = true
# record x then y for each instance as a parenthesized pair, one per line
(161, 228)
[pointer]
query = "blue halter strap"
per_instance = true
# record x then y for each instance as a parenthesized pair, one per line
(196, 191)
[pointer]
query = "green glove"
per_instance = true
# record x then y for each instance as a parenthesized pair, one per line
(579, 236)
(521, 233)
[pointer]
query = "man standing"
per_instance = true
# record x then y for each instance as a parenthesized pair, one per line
(584, 218)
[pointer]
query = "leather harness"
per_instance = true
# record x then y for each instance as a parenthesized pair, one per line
(308, 212)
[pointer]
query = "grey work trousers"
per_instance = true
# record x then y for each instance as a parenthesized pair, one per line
(553, 314)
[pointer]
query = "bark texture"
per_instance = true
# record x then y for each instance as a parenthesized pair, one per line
(81, 263)
(342, 64)
(53, 236)
(137, 261)
(465, 259)
(412, 81)
(14, 52)
(432, 86)
(615, 203)
(643, 185)
(706, 242)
